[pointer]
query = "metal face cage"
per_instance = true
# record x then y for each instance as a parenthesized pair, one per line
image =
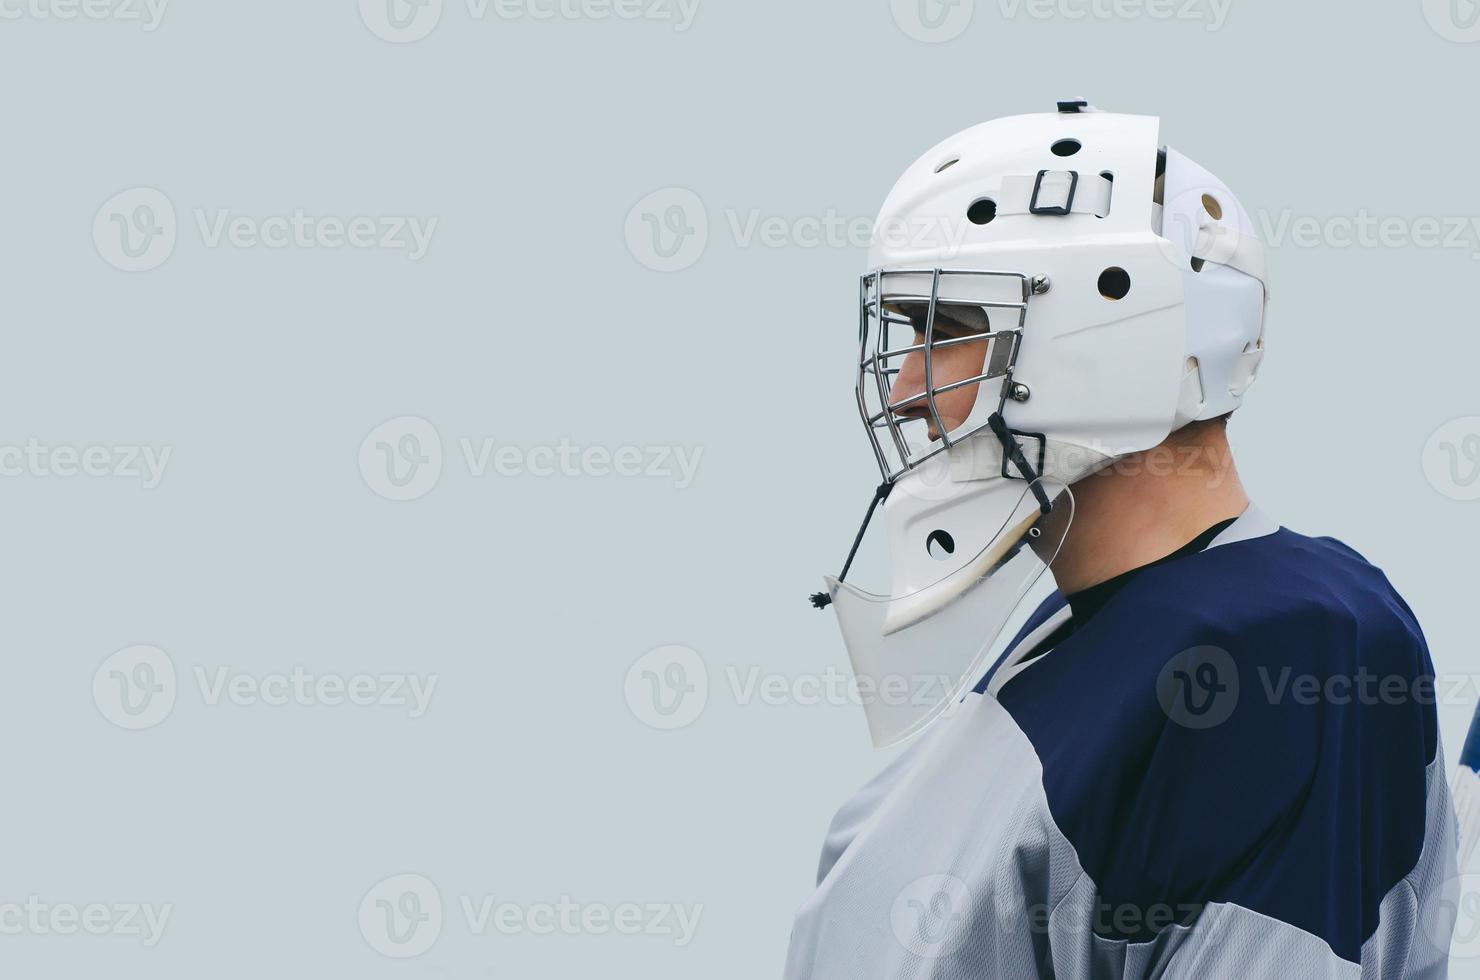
(892, 306)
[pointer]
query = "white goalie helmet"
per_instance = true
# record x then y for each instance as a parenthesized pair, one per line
(1114, 291)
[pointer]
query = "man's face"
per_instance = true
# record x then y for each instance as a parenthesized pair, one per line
(954, 358)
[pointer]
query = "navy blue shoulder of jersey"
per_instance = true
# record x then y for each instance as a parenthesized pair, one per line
(1248, 724)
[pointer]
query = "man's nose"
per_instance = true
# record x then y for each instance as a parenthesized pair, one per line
(908, 383)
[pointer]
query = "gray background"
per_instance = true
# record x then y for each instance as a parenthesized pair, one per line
(529, 320)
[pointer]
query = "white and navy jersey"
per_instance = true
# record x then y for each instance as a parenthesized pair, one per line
(1231, 769)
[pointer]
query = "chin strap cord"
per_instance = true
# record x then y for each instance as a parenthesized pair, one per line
(1014, 451)
(821, 600)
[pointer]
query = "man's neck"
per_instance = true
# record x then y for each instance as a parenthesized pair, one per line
(1148, 505)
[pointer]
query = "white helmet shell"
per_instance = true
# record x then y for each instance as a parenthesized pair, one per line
(1108, 374)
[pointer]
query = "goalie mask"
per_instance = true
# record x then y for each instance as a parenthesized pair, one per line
(1045, 294)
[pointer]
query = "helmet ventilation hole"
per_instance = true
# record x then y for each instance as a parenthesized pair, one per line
(1066, 148)
(1197, 264)
(1115, 283)
(1214, 209)
(982, 211)
(940, 545)
(947, 165)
